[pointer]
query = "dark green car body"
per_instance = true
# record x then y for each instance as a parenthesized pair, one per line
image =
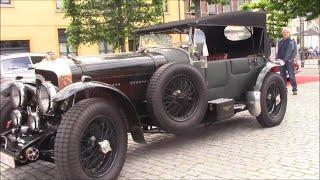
(227, 75)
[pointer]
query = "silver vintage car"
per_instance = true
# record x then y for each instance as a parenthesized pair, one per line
(13, 65)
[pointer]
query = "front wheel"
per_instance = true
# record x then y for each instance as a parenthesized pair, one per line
(91, 141)
(273, 100)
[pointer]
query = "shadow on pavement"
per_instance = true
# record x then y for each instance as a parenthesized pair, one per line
(217, 130)
(158, 141)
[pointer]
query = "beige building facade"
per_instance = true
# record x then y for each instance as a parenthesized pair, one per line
(39, 26)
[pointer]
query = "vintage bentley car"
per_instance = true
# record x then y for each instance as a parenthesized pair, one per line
(183, 75)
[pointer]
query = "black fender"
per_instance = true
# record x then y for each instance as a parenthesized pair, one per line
(132, 117)
(253, 97)
(5, 87)
(265, 71)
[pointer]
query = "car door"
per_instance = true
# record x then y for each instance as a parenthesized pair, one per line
(215, 72)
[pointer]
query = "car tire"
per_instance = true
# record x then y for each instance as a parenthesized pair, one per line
(6, 108)
(91, 141)
(273, 100)
(177, 88)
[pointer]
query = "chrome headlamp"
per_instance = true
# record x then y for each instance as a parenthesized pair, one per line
(44, 96)
(17, 94)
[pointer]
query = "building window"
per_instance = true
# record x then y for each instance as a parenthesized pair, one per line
(105, 48)
(59, 4)
(64, 49)
(226, 8)
(240, 3)
(133, 45)
(165, 6)
(5, 1)
(15, 46)
(212, 9)
(192, 5)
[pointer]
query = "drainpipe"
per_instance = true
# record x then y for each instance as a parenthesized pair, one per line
(179, 10)
(179, 16)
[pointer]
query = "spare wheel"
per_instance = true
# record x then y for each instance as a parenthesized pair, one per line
(177, 97)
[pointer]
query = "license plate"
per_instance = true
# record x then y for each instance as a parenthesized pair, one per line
(7, 160)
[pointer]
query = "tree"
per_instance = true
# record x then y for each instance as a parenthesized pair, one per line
(197, 6)
(279, 12)
(111, 21)
(305, 8)
(277, 18)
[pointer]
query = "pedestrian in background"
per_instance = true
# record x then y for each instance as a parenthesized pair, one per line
(315, 52)
(287, 51)
(50, 56)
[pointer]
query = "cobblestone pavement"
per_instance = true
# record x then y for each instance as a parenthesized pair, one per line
(233, 149)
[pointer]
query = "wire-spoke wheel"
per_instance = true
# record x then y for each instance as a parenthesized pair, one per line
(273, 100)
(98, 147)
(177, 97)
(91, 141)
(180, 98)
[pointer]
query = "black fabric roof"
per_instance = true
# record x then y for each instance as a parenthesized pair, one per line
(237, 18)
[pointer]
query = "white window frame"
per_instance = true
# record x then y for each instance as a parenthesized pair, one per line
(215, 8)
(6, 3)
(59, 5)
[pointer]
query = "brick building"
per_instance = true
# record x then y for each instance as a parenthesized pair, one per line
(209, 9)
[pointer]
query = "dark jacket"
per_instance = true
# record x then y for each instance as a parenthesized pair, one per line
(291, 51)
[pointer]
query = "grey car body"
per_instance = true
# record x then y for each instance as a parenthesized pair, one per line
(13, 65)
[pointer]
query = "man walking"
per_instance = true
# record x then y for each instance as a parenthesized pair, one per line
(287, 51)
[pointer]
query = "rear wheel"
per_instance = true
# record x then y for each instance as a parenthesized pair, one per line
(6, 108)
(273, 100)
(91, 141)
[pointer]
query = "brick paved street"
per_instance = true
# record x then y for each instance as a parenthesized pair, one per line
(234, 149)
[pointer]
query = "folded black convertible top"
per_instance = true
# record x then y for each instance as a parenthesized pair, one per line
(237, 18)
